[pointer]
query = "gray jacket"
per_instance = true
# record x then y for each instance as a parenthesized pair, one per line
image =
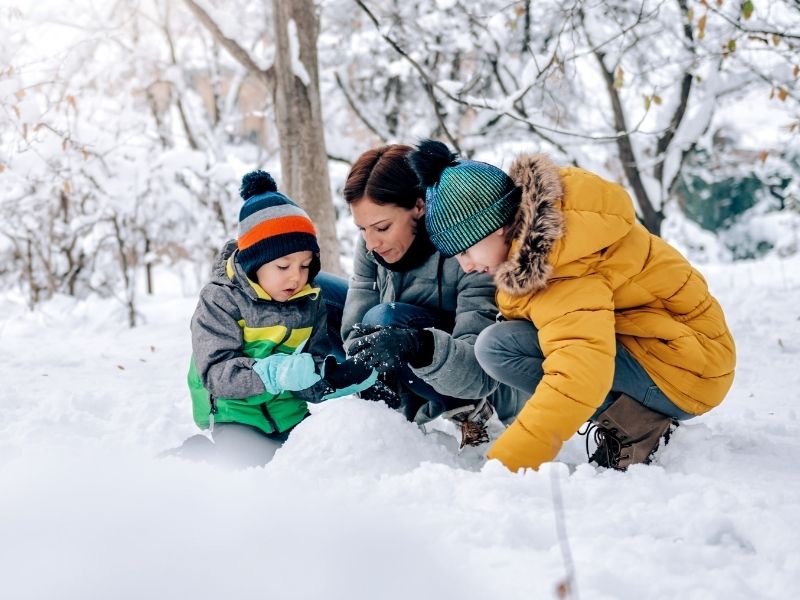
(454, 370)
(232, 326)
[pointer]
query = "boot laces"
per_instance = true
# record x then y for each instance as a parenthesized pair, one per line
(473, 434)
(609, 447)
(472, 422)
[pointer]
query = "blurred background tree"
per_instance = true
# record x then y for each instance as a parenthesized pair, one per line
(125, 127)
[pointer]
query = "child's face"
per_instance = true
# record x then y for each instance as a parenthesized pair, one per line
(487, 255)
(283, 277)
(388, 229)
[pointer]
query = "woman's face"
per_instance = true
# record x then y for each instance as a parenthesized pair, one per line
(487, 255)
(388, 229)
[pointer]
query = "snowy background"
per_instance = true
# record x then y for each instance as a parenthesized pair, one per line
(125, 128)
(360, 504)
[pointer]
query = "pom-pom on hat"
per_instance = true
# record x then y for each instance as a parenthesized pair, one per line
(465, 200)
(271, 225)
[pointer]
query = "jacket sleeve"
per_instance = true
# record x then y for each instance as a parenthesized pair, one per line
(218, 347)
(319, 347)
(362, 292)
(575, 319)
(454, 370)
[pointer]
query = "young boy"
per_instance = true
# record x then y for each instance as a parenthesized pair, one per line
(259, 336)
(606, 321)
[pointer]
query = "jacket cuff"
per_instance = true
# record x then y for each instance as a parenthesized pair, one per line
(424, 356)
(439, 340)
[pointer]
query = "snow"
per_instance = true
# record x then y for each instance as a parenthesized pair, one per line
(176, 160)
(29, 111)
(360, 503)
(298, 68)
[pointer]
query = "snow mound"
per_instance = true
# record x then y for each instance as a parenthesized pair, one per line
(360, 504)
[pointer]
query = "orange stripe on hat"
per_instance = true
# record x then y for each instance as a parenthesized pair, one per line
(272, 227)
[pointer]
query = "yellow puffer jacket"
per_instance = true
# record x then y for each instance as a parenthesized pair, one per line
(586, 273)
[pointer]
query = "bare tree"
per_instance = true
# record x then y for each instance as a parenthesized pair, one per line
(298, 113)
(667, 66)
(294, 80)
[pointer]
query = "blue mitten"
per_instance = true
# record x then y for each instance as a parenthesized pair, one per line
(281, 372)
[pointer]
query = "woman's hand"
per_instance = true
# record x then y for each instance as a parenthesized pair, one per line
(361, 330)
(388, 348)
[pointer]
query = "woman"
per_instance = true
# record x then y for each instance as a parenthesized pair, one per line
(606, 321)
(409, 312)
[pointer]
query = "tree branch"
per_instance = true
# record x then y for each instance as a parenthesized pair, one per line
(265, 76)
(652, 218)
(738, 25)
(433, 84)
(178, 101)
(430, 83)
(680, 111)
(359, 114)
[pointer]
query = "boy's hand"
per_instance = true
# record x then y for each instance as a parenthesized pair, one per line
(341, 375)
(282, 372)
(346, 378)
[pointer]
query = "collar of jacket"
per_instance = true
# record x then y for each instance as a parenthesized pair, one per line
(230, 269)
(537, 225)
(420, 250)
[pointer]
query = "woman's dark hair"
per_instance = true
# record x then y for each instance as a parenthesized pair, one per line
(385, 176)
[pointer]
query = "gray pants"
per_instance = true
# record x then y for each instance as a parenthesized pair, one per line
(510, 352)
(235, 446)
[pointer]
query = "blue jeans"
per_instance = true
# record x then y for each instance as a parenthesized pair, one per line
(509, 351)
(334, 293)
(400, 314)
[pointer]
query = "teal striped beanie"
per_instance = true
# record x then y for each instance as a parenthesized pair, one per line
(465, 200)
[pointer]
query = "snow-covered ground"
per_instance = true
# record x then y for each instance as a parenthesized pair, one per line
(360, 504)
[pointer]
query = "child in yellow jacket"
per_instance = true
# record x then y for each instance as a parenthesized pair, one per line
(604, 321)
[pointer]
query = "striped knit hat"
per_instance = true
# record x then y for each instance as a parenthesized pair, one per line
(465, 200)
(271, 225)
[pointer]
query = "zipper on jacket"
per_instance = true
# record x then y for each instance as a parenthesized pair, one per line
(263, 406)
(268, 417)
(213, 401)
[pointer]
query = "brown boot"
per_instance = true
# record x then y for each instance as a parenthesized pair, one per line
(628, 433)
(472, 420)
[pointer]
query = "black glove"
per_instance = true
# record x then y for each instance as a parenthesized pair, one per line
(345, 374)
(380, 392)
(390, 347)
(360, 329)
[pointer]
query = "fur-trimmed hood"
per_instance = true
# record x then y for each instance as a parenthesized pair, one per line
(566, 214)
(538, 225)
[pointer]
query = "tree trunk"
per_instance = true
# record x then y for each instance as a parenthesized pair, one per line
(298, 113)
(651, 218)
(148, 264)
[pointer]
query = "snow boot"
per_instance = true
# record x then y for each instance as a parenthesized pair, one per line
(473, 422)
(628, 433)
